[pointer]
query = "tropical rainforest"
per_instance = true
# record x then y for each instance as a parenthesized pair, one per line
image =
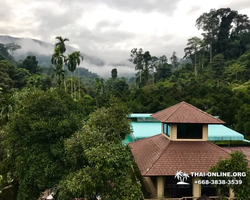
(55, 120)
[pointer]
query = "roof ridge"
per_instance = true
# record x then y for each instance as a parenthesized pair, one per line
(181, 103)
(165, 109)
(202, 111)
(165, 148)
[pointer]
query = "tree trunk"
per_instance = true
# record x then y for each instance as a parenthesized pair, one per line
(195, 65)
(79, 87)
(59, 81)
(211, 52)
(74, 88)
(71, 84)
(140, 76)
(64, 80)
(203, 58)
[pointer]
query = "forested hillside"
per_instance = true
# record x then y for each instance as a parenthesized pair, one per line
(217, 81)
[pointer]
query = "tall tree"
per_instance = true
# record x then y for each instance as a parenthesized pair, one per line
(136, 57)
(60, 49)
(57, 57)
(58, 60)
(142, 63)
(79, 57)
(61, 44)
(163, 68)
(241, 25)
(31, 64)
(174, 60)
(209, 23)
(114, 73)
(72, 61)
(193, 46)
(59, 74)
(226, 16)
(146, 68)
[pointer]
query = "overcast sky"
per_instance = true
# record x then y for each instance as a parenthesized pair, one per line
(109, 29)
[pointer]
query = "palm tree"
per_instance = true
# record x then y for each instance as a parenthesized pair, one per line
(60, 49)
(58, 60)
(57, 57)
(59, 73)
(61, 44)
(78, 56)
(72, 61)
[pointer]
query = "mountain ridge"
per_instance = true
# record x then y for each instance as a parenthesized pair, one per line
(40, 48)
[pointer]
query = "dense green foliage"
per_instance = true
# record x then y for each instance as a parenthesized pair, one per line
(236, 163)
(43, 143)
(107, 162)
(35, 139)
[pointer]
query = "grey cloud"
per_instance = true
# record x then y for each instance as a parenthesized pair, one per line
(5, 12)
(193, 9)
(164, 45)
(164, 6)
(104, 46)
(147, 6)
(51, 19)
(13, 31)
(239, 5)
(105, 41)
(105, 24)
(111, 37)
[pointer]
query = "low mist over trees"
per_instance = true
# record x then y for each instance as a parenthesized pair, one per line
(55, 119)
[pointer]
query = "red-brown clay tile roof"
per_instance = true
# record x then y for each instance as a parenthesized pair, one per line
(185, 113)
(158, 156)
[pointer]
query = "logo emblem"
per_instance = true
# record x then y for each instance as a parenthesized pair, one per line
(181, 176)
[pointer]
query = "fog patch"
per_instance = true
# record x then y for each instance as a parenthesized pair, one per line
(105, 71)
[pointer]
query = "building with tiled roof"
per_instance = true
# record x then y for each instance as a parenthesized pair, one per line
(144, 126)
(185, 113)
(181, 147)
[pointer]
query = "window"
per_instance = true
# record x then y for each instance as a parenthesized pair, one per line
(166, 129)
(189, 131)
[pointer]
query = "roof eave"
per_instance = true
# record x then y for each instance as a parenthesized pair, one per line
(174, 122)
